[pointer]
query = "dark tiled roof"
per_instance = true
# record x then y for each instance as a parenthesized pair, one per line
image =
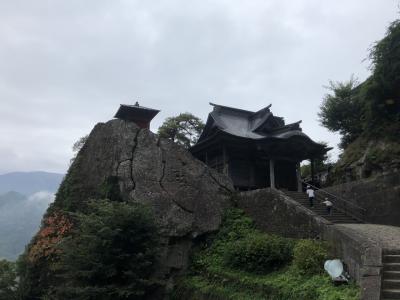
(247, 124)
(135, 112)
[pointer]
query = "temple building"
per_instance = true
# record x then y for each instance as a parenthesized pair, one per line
(255, 149)
(141, 115)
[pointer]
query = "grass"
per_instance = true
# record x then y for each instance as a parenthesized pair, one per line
(211, 278)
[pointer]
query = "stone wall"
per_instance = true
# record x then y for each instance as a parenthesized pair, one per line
(277, 213)
(379, 196)
(362, 257)
(274, 212)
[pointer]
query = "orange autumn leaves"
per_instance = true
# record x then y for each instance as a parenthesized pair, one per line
(55, 228)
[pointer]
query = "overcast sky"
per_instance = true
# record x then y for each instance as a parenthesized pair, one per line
(66, 65)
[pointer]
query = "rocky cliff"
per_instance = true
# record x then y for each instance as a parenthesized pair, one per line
(186, 197)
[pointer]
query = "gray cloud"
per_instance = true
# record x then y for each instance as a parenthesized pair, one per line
(40, 200)
(66, 65)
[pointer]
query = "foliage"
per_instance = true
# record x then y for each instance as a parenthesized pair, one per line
(320, 164)
(283, 285)
(40, 254)
(383, 89)
(342, 111)
(110, 255)
(8, 280)
(73, 193)
(259, 253)
(212, 278)
(77, 146)
(370, 109)
(236, 225)
(184, 129)
(79, 143)
(373, 154)
(54, 228)
(110, 189)
(309, 257)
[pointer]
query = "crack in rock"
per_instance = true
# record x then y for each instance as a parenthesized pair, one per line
(163, 162)
(216, 181)
(119, 164)
(160, 181)
(135, 139)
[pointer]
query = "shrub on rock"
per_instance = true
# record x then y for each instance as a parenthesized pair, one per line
(259, 253)
(111, 254)
(309, 256)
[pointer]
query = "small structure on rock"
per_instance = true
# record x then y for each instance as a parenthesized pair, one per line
(255, 149)
(141, 115)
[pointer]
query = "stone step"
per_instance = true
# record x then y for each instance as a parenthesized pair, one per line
(391, 274)
(391, 258)
(391, 294)
(344, 222)
(341, 220)
(389, 284)
(391, 267)
(341, 216)
(391, 252)
(320, 209)
(337, 218)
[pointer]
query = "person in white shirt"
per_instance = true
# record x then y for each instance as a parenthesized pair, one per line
(329, 205)
(310, 193)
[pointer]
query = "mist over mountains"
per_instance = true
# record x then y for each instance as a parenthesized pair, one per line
(28, 183)
(24, 197)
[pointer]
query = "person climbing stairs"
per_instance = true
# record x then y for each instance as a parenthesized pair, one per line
(336, 215)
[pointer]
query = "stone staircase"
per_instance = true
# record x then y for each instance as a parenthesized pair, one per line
(319, 208)
(391, 275)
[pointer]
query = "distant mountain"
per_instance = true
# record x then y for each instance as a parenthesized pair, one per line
(20, 218)
(28, 183)
(11, 198)
(24, 197)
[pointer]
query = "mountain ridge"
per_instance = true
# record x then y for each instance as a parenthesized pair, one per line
(28, 183)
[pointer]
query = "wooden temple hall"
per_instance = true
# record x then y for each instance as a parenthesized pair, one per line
(255, 149)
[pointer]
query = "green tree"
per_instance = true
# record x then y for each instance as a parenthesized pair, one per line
(383, 87)
(184, 129)
(8, 280)
(370, 109)
(320, 164)
(77, 146)
(79, 143)
(110, 255)
(342, 111)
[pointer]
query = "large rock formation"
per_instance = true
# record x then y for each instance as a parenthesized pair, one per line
(187, 197)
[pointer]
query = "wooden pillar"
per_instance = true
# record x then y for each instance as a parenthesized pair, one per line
(252, 177)
(312, 171)
(225, 162)
(298, 173)
(272, 173)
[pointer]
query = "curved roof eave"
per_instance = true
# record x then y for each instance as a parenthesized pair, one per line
(283, 136)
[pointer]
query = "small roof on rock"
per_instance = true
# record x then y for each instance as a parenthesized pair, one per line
(135, 112)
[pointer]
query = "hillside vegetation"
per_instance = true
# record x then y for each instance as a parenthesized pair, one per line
(367, 115)
(242, 263)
